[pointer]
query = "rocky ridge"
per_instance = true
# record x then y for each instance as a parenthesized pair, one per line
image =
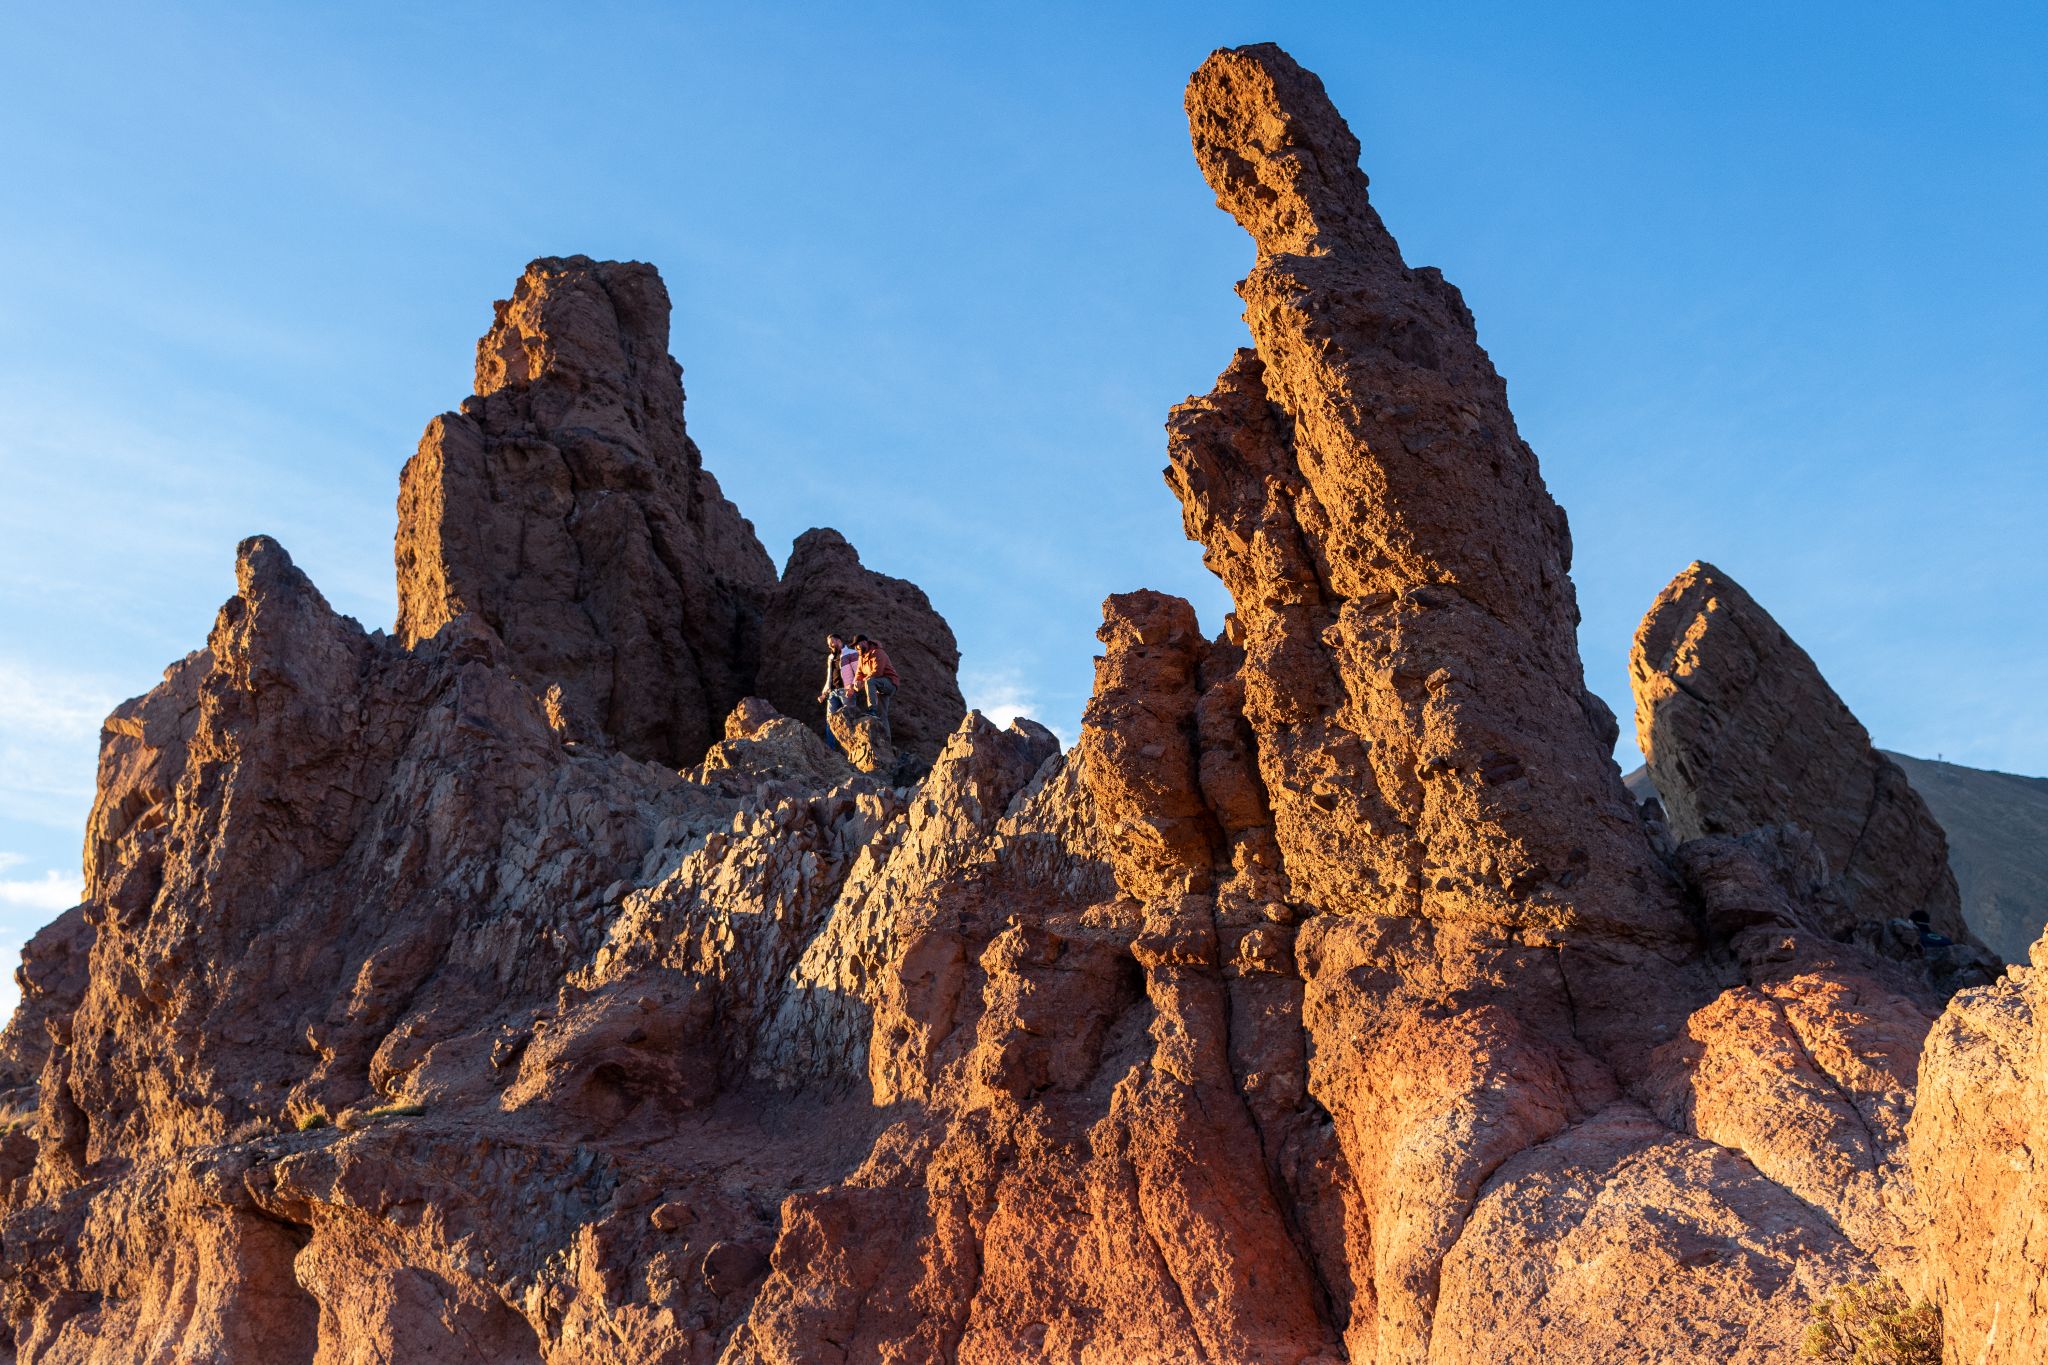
(1331, 1000)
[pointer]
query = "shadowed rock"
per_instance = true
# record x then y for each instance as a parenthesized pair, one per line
(825, 589)
(567, 508)
(1997, 828)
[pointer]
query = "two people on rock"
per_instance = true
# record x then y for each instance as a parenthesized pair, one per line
(857, 671)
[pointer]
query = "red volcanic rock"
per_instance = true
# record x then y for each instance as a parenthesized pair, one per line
(1329, 1001)
(826, 590)
(1740, 730)
(1143, 751)
(865, 742)
(1980, 1162)
(567, 508)
(52, 977)
(761, 744)
(1499, 972)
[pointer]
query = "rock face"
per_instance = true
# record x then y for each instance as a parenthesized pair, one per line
(1331, 1001)
(567, 508)
(1980, 1159)
(826, 590)
(1740, 730)
(1500, 977)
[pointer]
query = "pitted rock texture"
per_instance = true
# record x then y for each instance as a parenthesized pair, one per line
(1740, 730)
(1412, 670)
(826, 590)
(1330, 1001)
(1980, 1159)
(566, 508)
(1500, 972)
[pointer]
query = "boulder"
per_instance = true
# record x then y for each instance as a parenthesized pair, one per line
(763, 745)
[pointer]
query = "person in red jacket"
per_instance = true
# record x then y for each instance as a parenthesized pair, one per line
(876, 676)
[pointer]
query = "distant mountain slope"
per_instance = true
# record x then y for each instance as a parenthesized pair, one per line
(1997, 826)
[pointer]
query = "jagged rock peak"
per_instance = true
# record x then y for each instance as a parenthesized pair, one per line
(826, 589)
(573, 323)
(1326, 1002)
(1740, 730)
(1279, 156)
(567, 509)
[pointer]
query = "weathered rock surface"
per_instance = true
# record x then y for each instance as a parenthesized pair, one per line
(1330, 1001)
(567, 508)
(1980, 1160)
(1740, 730)
(826, 590)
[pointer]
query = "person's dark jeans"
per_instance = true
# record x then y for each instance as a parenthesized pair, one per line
(835, 702)
(879, 690)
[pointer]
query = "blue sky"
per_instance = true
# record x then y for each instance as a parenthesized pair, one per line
(1766, 282)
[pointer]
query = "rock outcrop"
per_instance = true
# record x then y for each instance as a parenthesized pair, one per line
(826, 590)
(566, 508)
(1331, 1000)
(1740, 730)
(1500, 975)
(1980, 1162)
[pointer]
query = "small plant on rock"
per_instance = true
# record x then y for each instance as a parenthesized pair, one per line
(395, 1111)
(249, 1130)
(15, 1116)
(1873, 1323)
(310, 1120)
(357, 1118)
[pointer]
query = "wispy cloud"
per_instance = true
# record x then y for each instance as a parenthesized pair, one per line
(1004, 694)
(50, 705)
(49, 729)
(47, 894)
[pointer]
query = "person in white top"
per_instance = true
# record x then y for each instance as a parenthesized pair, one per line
(842, 660)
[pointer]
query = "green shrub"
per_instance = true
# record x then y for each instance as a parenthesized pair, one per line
(1872, 1323)
(311, 1120)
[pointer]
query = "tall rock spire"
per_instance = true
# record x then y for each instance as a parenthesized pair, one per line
(1399, 569)
(568, 508)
